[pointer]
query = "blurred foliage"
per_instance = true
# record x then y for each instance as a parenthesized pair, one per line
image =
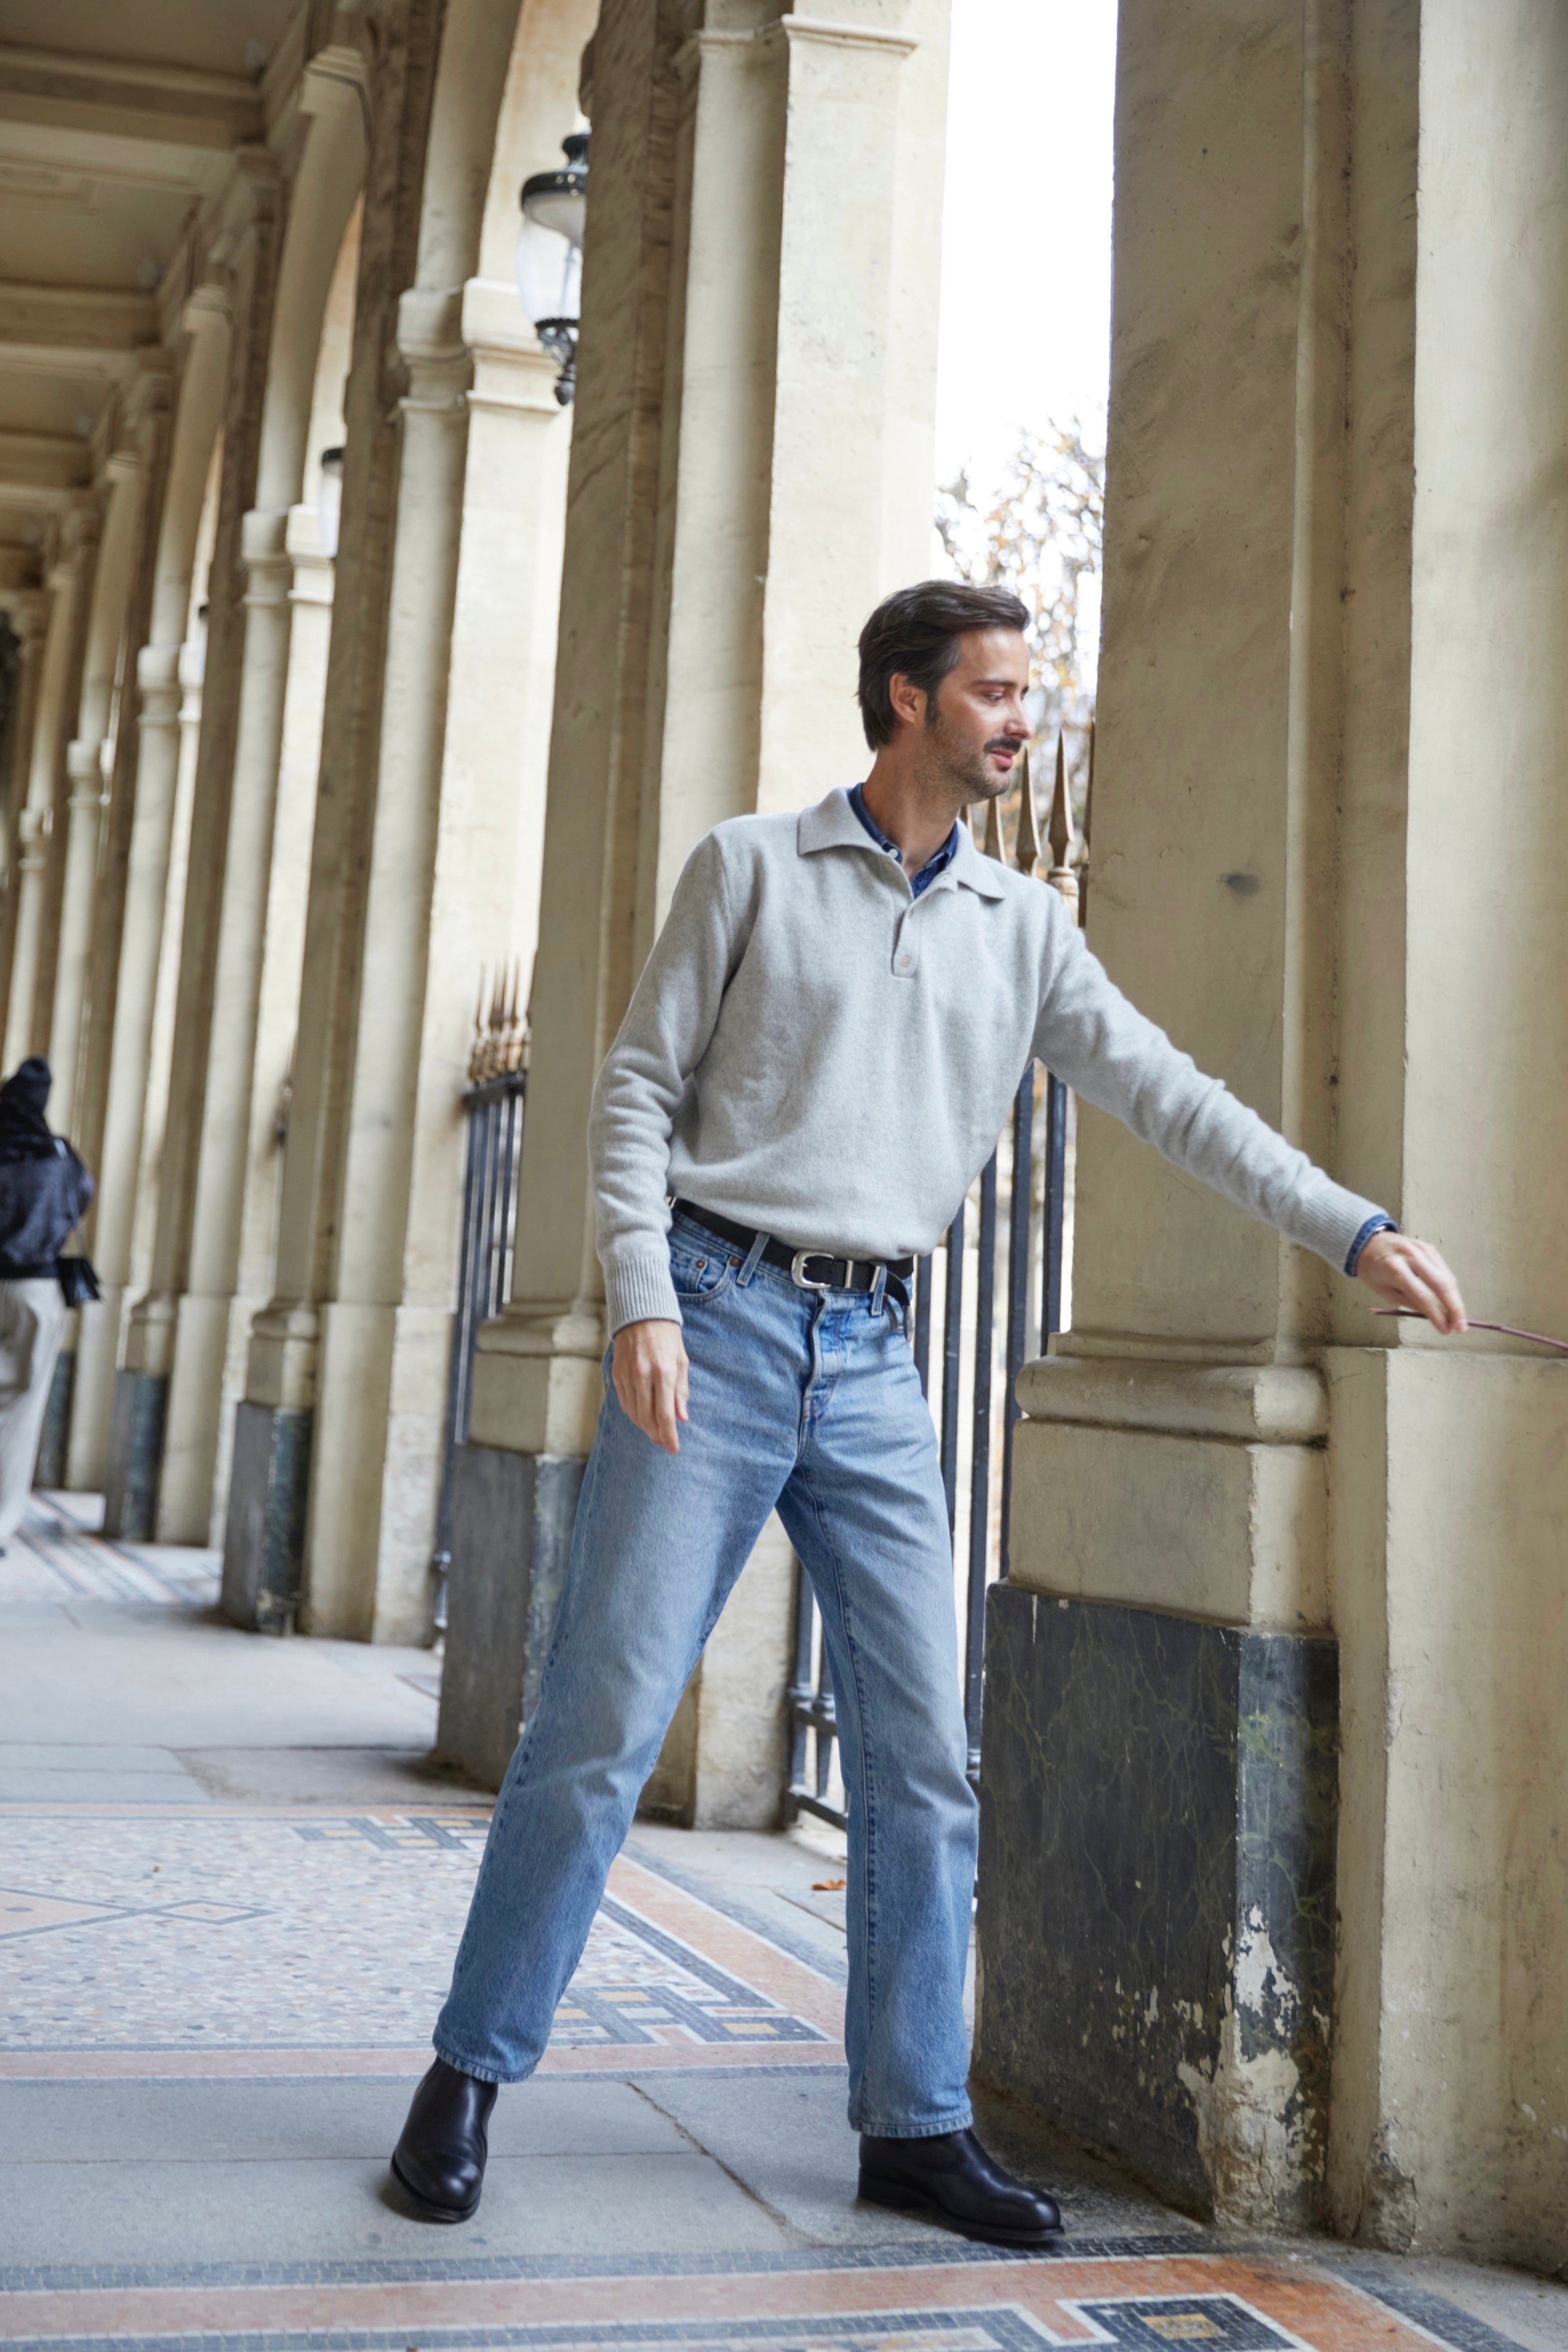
(1040, 536)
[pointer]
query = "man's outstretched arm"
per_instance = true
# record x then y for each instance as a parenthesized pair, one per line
(1111, 1054)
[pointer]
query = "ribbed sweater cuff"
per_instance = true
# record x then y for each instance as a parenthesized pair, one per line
(1331, 1222)
(639, 1289)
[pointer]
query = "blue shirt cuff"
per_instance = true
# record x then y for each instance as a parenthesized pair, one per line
(1378, 1224)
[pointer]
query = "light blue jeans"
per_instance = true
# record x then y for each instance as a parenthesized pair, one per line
(809, 1403)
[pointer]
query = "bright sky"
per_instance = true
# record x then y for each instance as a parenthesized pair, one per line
(1026, 264)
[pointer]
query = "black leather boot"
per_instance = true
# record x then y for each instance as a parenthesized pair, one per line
(952, 2177)
(440, 2159)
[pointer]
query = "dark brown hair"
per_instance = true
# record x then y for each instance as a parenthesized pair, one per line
(915, 634)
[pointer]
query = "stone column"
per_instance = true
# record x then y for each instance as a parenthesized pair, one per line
(85, 773)
(258, 910)
(136, 1436)
(1269, 1553)
(723, 309)
(141, 897)
(279, 1011)
(29, 618)
(1157, 1900)
(70, 585)
(447, 827)
(264, 1537)
(88, 526)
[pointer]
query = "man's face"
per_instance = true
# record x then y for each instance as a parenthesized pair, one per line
(975, 726)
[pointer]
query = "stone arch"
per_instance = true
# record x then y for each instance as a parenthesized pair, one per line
(325, 190)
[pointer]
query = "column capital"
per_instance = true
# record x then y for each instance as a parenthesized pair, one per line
(264, 553)
(158, 686)
(512, 369)
(84, 770)
(1263, 1405)
(430, 343)
(536, 1379)
(313, 570)
(845, 33)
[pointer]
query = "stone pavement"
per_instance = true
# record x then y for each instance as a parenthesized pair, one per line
(230, 1885)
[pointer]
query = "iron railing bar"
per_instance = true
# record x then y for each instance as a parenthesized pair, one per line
(980, 1464)
(952, 1348)
(834, 1814)
(825, 1715)
(484, 1121)
(455, 1379)
(1055, 1191)
(1021, 1235)
(502, 1228)
(493, 1111)
(923, 1323)
(801, 1696)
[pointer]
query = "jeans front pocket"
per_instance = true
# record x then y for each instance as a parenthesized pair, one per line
(700, 1272)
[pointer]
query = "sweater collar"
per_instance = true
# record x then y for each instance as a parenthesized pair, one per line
(833, 825)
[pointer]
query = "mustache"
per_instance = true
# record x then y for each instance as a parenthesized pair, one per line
(1005, 743)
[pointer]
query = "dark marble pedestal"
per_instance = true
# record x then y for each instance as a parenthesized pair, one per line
(264, 1535)
(50, 1470)
(512, 1517)
(1157, 1897)
(135, 1455)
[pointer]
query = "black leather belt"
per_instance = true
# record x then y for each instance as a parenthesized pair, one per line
(808, 1269)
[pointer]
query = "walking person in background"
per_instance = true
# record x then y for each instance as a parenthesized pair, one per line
(44, 1190)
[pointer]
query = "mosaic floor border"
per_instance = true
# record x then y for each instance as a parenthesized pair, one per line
(538, 2269)
(981, 2302)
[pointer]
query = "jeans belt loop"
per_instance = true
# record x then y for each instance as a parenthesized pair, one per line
(753, 1259)
(878, 1289)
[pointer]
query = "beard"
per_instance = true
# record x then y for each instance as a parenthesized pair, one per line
(961, 763)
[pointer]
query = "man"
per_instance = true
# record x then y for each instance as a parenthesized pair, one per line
(44, 1190)
(816, 1063)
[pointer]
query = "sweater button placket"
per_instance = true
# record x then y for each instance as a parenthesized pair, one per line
(904, 957)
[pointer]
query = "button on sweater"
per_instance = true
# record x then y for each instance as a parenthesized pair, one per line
(814, 1052)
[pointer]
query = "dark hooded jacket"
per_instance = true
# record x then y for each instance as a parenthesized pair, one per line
(44, 1188)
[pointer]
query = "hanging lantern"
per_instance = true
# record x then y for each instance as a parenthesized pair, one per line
(329, 501)
(549, 258)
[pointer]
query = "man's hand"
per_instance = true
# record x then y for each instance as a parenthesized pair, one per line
(1412, 1274)
(651, 1379)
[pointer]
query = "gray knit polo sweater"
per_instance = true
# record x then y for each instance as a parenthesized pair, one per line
(813, 1051)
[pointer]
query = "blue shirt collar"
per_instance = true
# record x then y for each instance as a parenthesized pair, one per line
(933, 866)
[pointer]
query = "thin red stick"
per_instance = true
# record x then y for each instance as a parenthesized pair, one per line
(1509, 1331)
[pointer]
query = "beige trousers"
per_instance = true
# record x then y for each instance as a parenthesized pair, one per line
(32, 1325)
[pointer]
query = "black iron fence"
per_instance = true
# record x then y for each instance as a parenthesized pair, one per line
(492, 1106)
(987, 1299)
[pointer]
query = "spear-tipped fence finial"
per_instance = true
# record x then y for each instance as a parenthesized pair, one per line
(991, 842)
(1087, 833)
(1026, 841)
(1062, 875)
(500, 1045)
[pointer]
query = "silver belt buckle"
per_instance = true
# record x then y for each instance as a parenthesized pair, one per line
(803, 1282)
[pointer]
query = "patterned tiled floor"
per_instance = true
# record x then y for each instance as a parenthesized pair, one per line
(199, 2000)
(236, 1936)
